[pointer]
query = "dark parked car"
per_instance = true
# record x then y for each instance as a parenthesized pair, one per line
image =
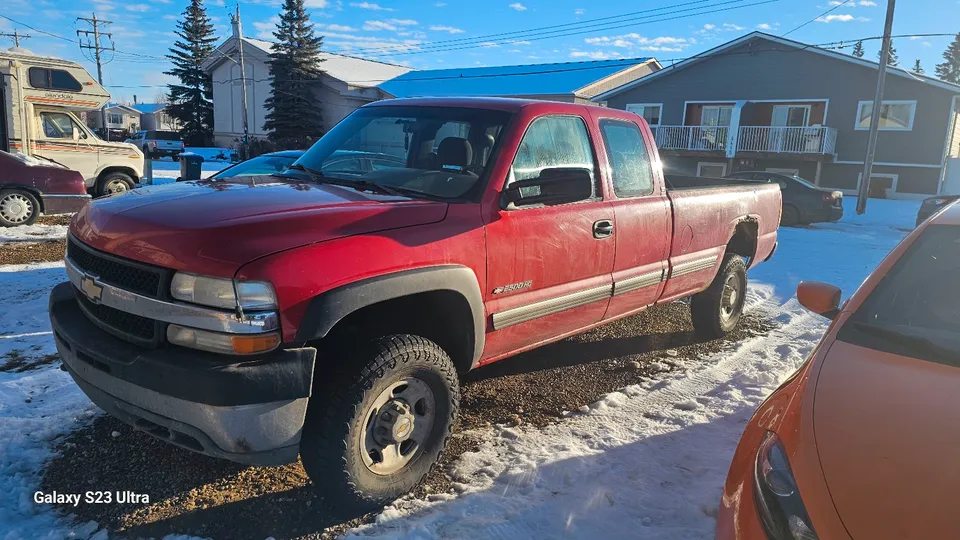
(932, 205)
(803, 202)
(30, 186)
(341, 162)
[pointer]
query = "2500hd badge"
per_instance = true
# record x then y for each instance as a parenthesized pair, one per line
(91, 497)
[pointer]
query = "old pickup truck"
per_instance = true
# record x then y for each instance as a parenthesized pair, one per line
(328, 312)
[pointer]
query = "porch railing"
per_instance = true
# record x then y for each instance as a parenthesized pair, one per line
(782, 140)
(691, 137)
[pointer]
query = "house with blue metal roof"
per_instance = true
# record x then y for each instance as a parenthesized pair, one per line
(572, 82)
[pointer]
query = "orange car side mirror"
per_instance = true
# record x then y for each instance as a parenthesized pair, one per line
(820, 298)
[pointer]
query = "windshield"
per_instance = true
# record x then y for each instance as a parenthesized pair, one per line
(436, 151)
(260, 165)
(804, 182)
(915, 309)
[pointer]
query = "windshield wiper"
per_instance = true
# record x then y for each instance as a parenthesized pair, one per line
(362, 185)
(314, 174)
(912, 342)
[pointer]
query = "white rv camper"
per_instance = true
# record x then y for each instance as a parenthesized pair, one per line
(39, 97)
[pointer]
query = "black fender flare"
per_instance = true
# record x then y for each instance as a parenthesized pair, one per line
(328, 308)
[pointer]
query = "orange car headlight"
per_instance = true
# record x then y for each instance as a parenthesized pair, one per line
(778, 501)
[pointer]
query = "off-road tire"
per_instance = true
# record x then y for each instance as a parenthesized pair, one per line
(104, 181)
(336, 417)
(706, 307)
(790, 216)
(21, 198)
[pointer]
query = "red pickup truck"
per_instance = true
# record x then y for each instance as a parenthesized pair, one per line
(328, 311)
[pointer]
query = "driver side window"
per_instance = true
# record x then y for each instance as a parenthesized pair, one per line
(58, 126)
(553, 141)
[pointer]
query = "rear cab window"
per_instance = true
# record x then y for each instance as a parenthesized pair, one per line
(915, 310)
(630, 167)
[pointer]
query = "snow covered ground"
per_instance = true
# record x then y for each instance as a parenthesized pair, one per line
(165, 170)
(648, 460)
(32, 233)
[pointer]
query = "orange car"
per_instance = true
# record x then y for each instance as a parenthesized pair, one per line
(864, 440)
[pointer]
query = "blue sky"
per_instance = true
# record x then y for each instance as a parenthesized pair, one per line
(407, 31)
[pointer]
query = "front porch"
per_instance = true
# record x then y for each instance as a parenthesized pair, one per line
(814, 143)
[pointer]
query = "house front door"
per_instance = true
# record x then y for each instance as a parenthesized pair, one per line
(715, 121)
(785, 132)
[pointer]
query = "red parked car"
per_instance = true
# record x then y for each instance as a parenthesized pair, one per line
(327, 312)
(30, 186)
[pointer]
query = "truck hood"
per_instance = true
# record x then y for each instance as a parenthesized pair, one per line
(215, 227)
(886, 434)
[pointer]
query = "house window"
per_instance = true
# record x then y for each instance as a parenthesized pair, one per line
(649, 111)
(711, 170)
(716, 115)
(115, 118)
(881, 185)
(894, 115)
(54, 79)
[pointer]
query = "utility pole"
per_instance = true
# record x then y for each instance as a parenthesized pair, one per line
(17, 36)
(97, 52)
(875, 111)
(243, 76)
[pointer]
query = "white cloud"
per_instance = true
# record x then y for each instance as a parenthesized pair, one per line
(845, 17)
(764, 26)
(867, 3)
(579, 11)
(403, 22)
(219, 3)
(440, 4)
(447, 29)
(514, 51)
(337, 27)
(733, 27)
(139, 8)
(376, 26)
(518, 6)
(593, 55)
(266, 28)
(316, 4)
(170, 17)
(861, 3)
(348, 42)
(521, 42)
(638, 42)
(368, 5)
(488, 44)
(927, 44)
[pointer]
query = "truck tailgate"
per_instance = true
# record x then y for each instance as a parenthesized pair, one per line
(704, 220)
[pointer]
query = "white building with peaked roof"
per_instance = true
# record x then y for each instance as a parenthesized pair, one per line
(346, 84)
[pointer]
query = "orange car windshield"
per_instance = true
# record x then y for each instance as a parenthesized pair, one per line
(915, 310)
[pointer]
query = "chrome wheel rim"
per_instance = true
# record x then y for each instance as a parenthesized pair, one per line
(396, 425)
(730, 297)
(116, 186)
(16, 208)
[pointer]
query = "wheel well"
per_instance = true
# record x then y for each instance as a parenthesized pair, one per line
(443, 317)
(125, 170)
(744, 240)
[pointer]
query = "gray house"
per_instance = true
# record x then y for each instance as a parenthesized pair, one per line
(346, 84)
(762, 102)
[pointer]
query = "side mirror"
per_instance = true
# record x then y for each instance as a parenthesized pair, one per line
(820, 298)
(76, 134)
(558, 185)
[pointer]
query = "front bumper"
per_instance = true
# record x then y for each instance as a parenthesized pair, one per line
(249, 410)
(64, 204)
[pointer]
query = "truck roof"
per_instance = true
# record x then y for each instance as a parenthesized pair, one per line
(495, 103)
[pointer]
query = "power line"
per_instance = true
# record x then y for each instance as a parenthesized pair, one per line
(17, 36)
(98, 49)
(579, 31)
(519, 33)
(836, 7)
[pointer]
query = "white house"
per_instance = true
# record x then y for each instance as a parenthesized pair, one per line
(346, 84)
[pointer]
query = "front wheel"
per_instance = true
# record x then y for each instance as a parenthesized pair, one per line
(717, 310)
(18, 207)
(115, 182)
(378, 429)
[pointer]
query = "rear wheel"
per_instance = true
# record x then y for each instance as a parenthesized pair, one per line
(376, 430)
(115, 182)
(717, 310)
(18, 207)
(790, 216)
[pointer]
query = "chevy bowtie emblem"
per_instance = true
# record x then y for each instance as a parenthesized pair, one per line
(90, 288)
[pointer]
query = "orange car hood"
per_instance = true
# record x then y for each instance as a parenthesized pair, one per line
(888, 436)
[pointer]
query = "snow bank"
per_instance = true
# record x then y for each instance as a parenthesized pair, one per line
(32, 233)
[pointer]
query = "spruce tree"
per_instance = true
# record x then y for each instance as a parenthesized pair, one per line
(917, 68)
(893, 60)
(191, 101)
(949, 70)
(858, 49)
(293, 117)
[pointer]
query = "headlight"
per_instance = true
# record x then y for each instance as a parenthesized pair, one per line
(781, 510)
(222, 343)
(219, 292)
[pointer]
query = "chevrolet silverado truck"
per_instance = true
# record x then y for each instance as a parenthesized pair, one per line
(328, 311)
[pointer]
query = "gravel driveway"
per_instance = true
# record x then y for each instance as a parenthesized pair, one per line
(193, 494)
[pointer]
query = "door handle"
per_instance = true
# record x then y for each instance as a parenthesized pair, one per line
(602, 228)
